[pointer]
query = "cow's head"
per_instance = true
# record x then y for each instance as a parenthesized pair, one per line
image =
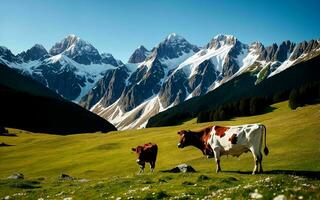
(186, 138)
(139, 150)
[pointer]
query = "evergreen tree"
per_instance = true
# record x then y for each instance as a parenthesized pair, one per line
(211, 116)
(254, 105)
(280, 96)
(244, 107)
(203, 117)
(216, 116)
(222, 115)
(294, 100)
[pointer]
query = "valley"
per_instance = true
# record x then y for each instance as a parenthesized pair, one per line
(105, 168)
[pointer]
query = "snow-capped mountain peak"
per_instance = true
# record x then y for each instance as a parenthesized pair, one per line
(73, 37)
(34, 53)
(174, 37)
(71, 69)
(65, 44)
(77, 49)
(173, 46)
(256, 45)
(107, 58)
(7, 56)
(39, 46)
(224, 37)
(139, 55)
(222, 40)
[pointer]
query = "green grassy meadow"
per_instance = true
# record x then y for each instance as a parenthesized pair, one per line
(105, 168)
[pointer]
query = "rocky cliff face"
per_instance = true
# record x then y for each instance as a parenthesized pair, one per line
(174, 46)
(7, 56)
(304, 48)
(108, 89)
(139, 55)
(37, 52)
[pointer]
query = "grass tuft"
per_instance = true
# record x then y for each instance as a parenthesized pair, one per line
(203, 178)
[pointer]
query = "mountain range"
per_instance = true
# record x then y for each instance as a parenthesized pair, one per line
(128, 94)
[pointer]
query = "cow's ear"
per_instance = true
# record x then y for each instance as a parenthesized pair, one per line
(180, 132)
(133, 149)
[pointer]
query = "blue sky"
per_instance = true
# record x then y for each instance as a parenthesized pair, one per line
(120, 26)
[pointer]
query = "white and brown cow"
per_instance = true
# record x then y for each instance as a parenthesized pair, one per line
(146, 153)
(228, 140)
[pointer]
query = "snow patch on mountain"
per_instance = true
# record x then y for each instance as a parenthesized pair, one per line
(147, 63)
(25, 67)
(81, 69)
(175, 62)
(217, 56)
(132, 66)
(145, 110)
(286, 64)
(92, 73)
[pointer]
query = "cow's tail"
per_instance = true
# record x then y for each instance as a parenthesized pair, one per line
(265, 150)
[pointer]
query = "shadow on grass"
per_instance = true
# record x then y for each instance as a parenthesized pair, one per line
(21, 183)
(307, 174)
(5, 145)
(8, 134)
(268, 109)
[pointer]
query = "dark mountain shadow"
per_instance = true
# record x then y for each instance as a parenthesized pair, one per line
(304, 173)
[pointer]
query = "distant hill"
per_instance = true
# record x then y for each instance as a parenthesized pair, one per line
(27, 104)
(242, 86)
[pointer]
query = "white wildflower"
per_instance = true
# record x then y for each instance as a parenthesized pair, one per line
(255, 195)
(280, 197)
(145, 188)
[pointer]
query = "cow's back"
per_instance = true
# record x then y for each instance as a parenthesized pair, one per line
(151, 151)
(235, 138)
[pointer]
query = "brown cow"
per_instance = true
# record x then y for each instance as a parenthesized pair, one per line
(198, 139)
(146, 153)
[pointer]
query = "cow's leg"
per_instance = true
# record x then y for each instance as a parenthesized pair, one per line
(260, 162)
(255, 158)
(217, 157)
(141, 168)
(152, 166)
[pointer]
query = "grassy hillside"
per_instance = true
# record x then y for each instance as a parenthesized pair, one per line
(106, 168)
